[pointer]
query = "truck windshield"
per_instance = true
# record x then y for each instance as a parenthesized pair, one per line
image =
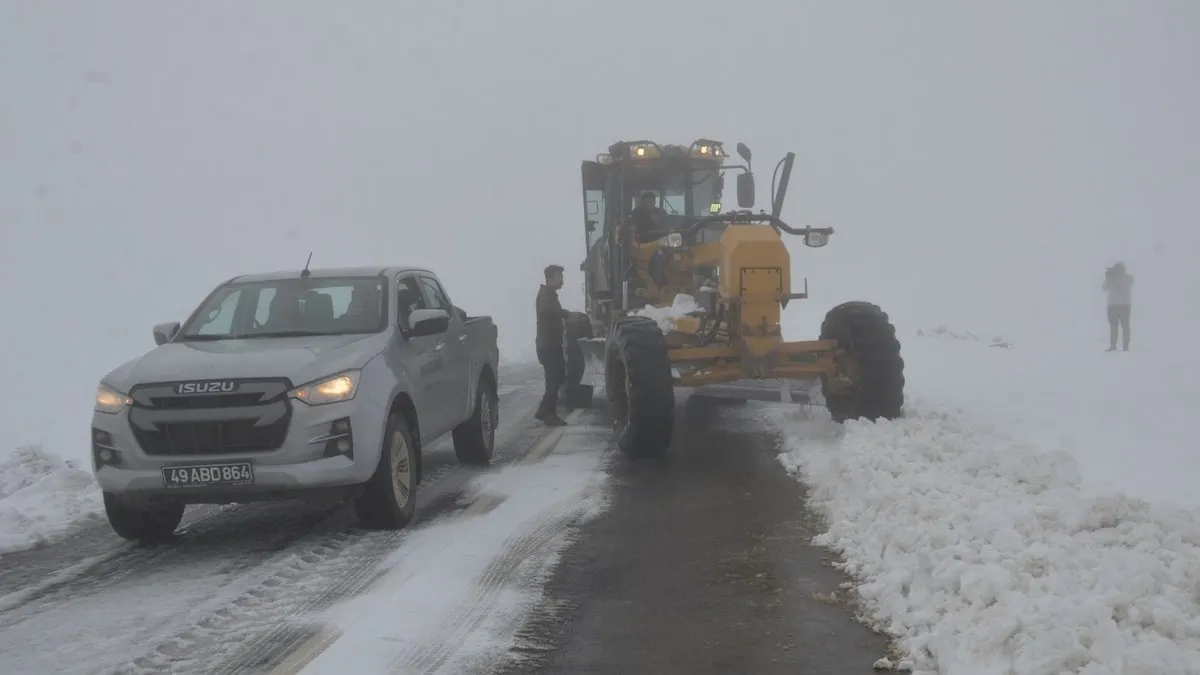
(290, 307)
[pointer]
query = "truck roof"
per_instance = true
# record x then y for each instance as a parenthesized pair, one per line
(319, 272)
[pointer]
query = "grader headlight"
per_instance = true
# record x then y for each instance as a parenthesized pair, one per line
(674, 240)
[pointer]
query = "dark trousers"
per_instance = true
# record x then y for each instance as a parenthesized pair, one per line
(1118, 317)
(554, 364)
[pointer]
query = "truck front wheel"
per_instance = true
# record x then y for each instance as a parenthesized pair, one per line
(142, 523)
(640, 388)
(390, 500)
(871, 382)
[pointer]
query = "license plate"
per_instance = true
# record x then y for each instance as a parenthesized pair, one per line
(205, 475)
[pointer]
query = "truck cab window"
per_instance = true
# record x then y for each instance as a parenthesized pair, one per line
(435, 296)
(408, 298)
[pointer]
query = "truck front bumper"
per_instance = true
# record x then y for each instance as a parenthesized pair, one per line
(318, 449)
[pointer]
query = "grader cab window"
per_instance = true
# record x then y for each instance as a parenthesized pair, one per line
(686, 193)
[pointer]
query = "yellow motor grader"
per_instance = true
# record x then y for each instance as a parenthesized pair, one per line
(683, 294)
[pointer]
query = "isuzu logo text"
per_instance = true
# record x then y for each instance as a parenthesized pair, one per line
(212, 387)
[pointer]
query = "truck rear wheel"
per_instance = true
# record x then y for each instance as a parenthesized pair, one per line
(390, 499)
(873, 383)
(641, 392)
(138, 523)
(475, 439)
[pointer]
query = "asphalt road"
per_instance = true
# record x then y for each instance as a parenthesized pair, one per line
(702, 564)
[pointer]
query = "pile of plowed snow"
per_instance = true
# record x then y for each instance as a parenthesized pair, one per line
(44, 498)
(665, 316)
(1017, 522)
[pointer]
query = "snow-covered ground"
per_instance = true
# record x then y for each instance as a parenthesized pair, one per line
(1034, 513)
(454, 596)
(44, 498)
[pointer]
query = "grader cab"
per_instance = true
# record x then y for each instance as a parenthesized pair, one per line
(680, 293)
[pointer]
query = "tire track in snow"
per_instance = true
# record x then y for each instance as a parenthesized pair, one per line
(471, 575)
(431, 656)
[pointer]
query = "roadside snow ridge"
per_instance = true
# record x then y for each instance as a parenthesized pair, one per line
(985, 556)
(44, 498)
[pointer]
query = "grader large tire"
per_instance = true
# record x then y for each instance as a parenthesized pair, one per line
(873, 362)
(637, 376)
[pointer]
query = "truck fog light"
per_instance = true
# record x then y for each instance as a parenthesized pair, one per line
(104, 451)
(340, 439)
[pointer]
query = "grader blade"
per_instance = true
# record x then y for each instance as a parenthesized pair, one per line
(768, 391)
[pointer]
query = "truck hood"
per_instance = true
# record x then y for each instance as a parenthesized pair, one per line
(300, 359)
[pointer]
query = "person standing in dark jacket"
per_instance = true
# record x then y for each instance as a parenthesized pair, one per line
(550, 316)
(1118, 283)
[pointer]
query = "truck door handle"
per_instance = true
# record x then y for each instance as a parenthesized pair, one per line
(462, 338)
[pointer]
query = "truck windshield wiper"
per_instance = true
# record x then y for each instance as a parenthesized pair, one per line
(206, 338)
(286, 333)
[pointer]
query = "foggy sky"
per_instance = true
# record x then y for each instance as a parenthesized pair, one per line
(981, 163)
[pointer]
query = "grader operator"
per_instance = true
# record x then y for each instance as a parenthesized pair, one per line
(735, 267)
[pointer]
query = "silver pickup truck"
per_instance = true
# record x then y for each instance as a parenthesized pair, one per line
(308, 384)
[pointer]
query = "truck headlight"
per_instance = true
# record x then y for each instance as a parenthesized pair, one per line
(110, 401)
(674, 240)
(340, 387)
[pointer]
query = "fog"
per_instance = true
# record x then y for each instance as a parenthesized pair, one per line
(982, 165)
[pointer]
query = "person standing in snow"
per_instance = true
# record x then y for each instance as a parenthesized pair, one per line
(1119, 285)
(550, 327)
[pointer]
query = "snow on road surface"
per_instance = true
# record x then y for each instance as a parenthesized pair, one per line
(44, 498)
(453, 598)
(1032, 514)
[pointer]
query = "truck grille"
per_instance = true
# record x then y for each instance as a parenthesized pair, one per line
(255, 418)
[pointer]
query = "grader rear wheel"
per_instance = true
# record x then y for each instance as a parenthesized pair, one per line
(640, 389)
(872, 364)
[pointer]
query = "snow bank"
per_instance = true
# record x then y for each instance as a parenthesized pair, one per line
(665, 316)
(43, 498)
(983, 554)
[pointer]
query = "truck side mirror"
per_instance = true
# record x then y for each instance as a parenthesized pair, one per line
(745, 190)
(163, 332)
(743, 151)
(428, 322)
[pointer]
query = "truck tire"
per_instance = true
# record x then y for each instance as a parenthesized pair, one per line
(868, 339)
(475, 439)
(156, 523)
(390, 499)
(641, 391)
